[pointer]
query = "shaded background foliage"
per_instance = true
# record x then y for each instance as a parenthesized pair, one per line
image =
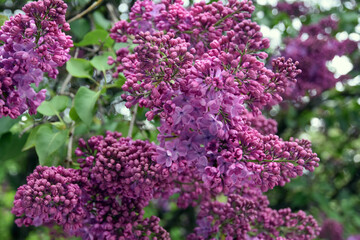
(330, 120)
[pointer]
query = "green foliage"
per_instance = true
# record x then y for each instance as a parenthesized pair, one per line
(47, 141)
(6, 123)
(80, 28)
(54, 106)
(100, 62)
(3, 19)
(30, 142)
(101, 21)
(80, 68)
(85, 100)
(96, 37)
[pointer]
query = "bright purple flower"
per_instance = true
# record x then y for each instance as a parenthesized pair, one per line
(52, 195)
(182, 114)
(34, 44)
(313, 48)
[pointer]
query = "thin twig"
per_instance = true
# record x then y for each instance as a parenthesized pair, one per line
(68, 77)
(132, 122)
(68, 161)
(111, 10)
(68, 94)
(65, 83)
(89, 9)
(29, 127)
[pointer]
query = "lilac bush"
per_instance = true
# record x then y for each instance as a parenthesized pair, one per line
(201, 72)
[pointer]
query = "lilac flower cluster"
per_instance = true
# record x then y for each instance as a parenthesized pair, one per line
(30, 45)
(333, 230)
(51, 195)
(313, 48)
(105, 198)
(246, 214)
(203, 95)
(201, 71)
(295, 9)
(262, 124)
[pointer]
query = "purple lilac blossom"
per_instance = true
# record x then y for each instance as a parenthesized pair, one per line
(295, 9)
(211, 60)
(199, 70)
(31, 44)
(105, 198)
(248, 214)
(313, 48)
(211, 91)
(331, 230)
(51, 196)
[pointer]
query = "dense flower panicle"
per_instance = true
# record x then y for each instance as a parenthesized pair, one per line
(105, 198)
(122, 166)
(124, 176)
(313, 48)
(206, 80)
(332, 229)
(30, 45)
(51, 196)
(203, 105)
(262, 124)
(247, 215)
(118, 218)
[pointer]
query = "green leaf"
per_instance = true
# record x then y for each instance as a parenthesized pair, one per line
(30, 142)
(10, 146)
(3, 19)
(80, 28)
(96, 37)
(73, 114)
(101, 21)
(54, 106)
(85, 100)
(6, 123)
(100, 62)
(48, 141)
(80, 68)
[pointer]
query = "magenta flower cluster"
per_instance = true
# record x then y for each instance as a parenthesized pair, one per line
(247, 209)
(313, 48)
(31, 44)
(205, 93)
(201, 71)
(294, 9)
(50, 196)
(333, 230)
(105, 198)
